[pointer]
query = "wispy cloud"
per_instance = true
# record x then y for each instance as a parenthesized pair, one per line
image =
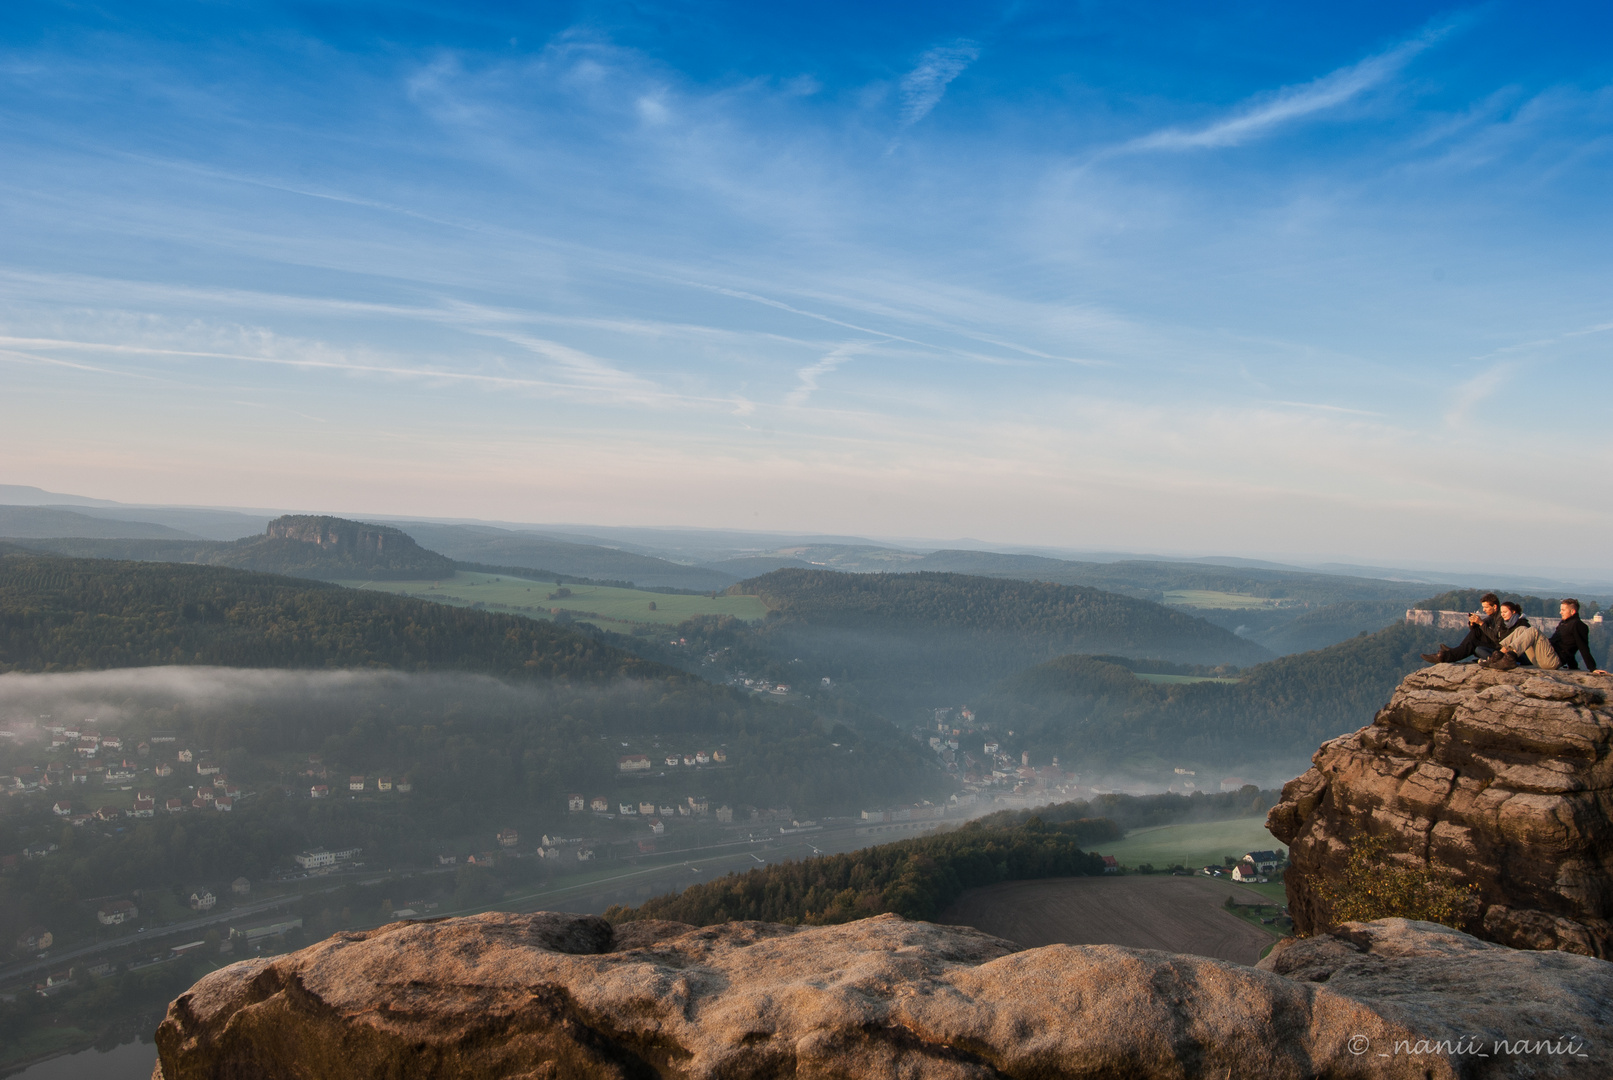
(1266, 112)
(923, 87)
(1471, 392)
(810, 374)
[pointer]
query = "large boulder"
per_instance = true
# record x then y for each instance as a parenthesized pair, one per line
(1505, 777)
(550, 995)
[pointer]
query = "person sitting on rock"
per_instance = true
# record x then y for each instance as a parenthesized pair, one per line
(1484, 634)
(1523, 644)
(1572, 638)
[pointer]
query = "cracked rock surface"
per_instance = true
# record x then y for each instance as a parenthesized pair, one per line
(554, 995)
(1505, 777)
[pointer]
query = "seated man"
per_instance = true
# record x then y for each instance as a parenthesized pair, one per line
(1484, 634)
(1572, 638)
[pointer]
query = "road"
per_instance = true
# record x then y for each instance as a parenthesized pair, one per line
(157, 933)
(670, 871)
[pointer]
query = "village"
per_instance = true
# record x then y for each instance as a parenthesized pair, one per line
(994, 779)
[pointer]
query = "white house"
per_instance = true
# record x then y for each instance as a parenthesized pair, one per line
(117, 912)
(321, 858)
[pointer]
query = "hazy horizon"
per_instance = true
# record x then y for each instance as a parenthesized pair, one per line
(1504, 575)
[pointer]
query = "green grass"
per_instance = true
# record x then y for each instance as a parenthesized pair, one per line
(1192, 845)
(610, 608)
(1148, 676)
(45, 1042)
(1207, 598)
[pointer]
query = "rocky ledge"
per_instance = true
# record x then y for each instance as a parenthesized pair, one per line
(551, 995)
(1505, 777)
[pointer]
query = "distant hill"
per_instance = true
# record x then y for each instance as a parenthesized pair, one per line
(323, 548)
(534, 551)
(1094, 712)
(1291, 594)
(36, 522)
(900, 643)
(971, 604)
(61, 614)
(332, 548)
(1324, 626)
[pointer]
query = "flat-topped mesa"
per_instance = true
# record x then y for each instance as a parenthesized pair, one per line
(333, 548)
(1504, 777)
(334, 532)
(552, 995)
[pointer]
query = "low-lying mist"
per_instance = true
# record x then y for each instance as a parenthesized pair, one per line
(114, 698)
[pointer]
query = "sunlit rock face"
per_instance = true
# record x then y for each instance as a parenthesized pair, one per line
(552, 995)
(1505, 777)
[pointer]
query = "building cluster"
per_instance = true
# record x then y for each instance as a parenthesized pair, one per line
(357, 785)
(635, 763)
(656, 813)
(1258, 866)
(81, 787)
(324, 860)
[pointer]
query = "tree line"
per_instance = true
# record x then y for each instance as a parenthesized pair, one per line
(915, 878)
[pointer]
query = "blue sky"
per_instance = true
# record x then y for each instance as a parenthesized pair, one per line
(1282, 280)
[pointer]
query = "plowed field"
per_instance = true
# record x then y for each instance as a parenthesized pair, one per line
(1143, 912)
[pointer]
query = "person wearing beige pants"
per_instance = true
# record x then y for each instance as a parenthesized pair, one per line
(1529, 642)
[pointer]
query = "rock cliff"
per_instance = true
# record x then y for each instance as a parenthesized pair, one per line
(1505, 777)
(552, 995)
(333, 548)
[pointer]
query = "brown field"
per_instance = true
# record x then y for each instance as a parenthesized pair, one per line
(1176, 914)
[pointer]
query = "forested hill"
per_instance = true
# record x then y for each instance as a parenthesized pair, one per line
(1093, 711)
(60, 614)
(1076, 617)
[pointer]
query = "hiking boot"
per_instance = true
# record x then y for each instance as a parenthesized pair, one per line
(1443, 656)
(1500, 662)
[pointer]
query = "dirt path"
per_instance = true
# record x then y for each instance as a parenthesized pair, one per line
(1153, 912)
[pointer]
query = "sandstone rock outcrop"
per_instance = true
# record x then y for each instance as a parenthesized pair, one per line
(332, 548)
(1505, 777)
(552, 995)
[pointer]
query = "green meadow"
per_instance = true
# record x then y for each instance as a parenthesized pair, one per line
(1207, 598)
(1148, 676)
(1193, 845)
(621, 610)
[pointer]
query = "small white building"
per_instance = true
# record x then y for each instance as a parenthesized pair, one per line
(323, 858)
(117, 912)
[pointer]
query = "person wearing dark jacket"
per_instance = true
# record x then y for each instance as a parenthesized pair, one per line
(1484, 633)
(1572, 638)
